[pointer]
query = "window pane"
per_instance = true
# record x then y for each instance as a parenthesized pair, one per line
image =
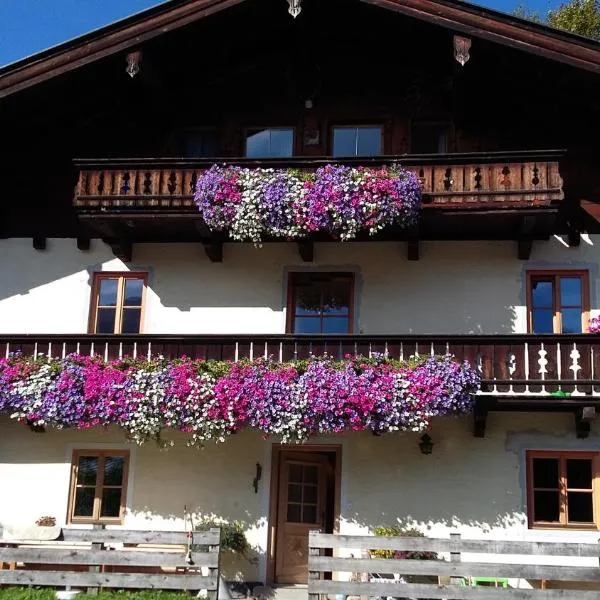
(309, 514)
(294, 492)
(307, 325)
(131, 320)
(84, 502)
(570, 291)
(201, 144)
(111, 503)
(294, 513)
(546, 507)
(113, 470)
(579, 473)
(133, 292)
(580, 508)
(336, 325)
(571, 320)
(311, 474)
(310, 493)
(543, 320)
(87, 470)
(257, 144)
(368, 141)
(282, 143)
(106, 320)
(336, 298)
(344, 141)
(308, 300)
(541, 294)
(295, 473)
(545, 473)
(108, 292)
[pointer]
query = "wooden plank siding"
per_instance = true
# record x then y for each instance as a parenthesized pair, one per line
(364, 584)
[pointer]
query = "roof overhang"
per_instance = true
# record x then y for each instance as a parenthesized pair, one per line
(452, 14)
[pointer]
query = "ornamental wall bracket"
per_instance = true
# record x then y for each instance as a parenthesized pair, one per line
(295, 7)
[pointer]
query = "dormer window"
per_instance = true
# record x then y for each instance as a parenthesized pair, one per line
(357, 141)
(270, 143)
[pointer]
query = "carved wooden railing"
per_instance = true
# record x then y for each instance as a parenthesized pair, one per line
(472, 180)
(514, 366)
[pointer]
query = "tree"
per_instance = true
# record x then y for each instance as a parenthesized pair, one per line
(578, 16)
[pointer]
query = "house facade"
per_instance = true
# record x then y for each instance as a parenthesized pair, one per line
(111, 248)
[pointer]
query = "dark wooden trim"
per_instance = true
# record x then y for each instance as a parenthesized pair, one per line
(98, 276)
(101, 454)
(83, 243)
(306, 250)
(291, 308)
(555, 274)
(561, 456)
(214, 250)
(317, 161)
(276, 452)
(39, 242)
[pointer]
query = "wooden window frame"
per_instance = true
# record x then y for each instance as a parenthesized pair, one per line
(248, 129)
(96, 518)
(562, 456)
(121, 276)
(556, 274)
(361, 125)
(291, 303)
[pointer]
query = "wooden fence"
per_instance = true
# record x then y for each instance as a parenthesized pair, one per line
(366, 580)
(110, 558)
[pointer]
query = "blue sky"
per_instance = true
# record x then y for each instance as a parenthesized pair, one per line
(28, 26)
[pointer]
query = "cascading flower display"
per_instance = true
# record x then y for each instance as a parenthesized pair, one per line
(287, 203)
(594, 326)
(209, 400)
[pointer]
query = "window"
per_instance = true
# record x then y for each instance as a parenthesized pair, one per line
(117, 302)
(200, 143)
(558, 302)
(98, 486)
(357, 141)
(320, 303)
(562, 489)
(429, 137)
(270, 143)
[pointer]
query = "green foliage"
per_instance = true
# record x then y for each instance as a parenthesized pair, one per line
(233, 537)
(396, 531)
(17, 593)
(577, 16)
(524, 12)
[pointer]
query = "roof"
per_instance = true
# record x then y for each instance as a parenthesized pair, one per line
(455, 15)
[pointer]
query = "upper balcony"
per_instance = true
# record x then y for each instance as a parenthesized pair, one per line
(498, 195)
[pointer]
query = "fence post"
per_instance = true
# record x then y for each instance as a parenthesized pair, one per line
(212, 571)
(312, 575)
(455, 556)
(93, 591)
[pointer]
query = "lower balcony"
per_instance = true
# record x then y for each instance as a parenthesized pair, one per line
(518, 372)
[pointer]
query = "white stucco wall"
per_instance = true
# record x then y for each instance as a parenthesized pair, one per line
(468, 485)
(456, 287)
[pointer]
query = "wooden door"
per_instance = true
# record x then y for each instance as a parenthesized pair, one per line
(301, 507)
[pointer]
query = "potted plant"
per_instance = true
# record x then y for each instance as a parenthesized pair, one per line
(405, 554)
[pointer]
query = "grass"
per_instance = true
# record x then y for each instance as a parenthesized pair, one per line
(19, 593)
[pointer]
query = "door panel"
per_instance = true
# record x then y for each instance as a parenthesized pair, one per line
(301, 507)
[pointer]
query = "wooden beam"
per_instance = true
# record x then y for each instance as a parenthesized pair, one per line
(412, 250)
(39, 242)
(527, 227)
(524, 248)
(83, 243)
(306, 249)
(120, 247)
(214, 250)
(583, 418)
(480, 414)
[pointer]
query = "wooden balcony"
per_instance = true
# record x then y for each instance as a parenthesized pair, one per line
(501, 195)
(519, 372)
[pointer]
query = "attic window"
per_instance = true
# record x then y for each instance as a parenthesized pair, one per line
(277, 142)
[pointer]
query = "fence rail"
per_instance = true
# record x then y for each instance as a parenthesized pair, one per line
(448, 180)
(86, 558)
(510, 365)
(463, 575)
